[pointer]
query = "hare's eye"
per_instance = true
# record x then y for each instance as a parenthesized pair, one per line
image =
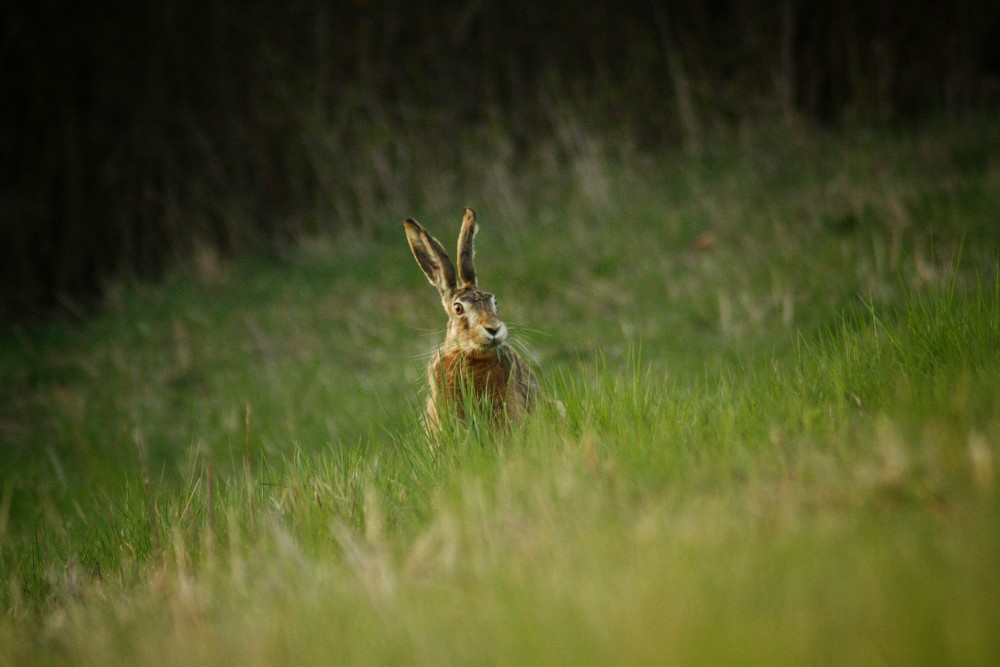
(496, 303)
(459, 308)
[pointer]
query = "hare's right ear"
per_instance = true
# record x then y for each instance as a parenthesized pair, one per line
(431, 257)
(466, 251)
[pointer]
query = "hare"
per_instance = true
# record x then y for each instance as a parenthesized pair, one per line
(475, 362)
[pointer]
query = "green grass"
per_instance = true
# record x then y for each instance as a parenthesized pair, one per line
(779, 448)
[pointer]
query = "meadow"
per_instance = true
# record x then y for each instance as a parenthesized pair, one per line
(780, 363)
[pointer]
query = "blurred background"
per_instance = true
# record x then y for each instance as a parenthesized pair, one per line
(136, 134)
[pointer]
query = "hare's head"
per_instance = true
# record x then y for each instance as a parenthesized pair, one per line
(473, 323)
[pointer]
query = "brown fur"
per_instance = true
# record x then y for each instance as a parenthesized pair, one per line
(501, 380)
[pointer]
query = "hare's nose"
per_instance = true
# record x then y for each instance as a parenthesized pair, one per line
(492, 330)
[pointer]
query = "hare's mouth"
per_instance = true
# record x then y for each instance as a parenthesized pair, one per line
(494, 336)
(493, 341)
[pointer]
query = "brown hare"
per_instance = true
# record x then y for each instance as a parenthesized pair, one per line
(475, 364)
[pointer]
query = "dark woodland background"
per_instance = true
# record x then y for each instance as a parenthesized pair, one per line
(135, 133)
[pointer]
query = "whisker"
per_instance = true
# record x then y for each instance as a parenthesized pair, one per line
(521, 347)
(424, 357)
(423, 330)
(519, 326)
(529, 335)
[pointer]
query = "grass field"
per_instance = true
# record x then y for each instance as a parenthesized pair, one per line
(780, 363)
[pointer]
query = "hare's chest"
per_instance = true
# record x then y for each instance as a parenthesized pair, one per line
(460, 378)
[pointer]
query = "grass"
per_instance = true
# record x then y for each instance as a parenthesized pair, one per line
(779, 363)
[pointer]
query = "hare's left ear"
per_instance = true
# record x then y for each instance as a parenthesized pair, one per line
(466, 252)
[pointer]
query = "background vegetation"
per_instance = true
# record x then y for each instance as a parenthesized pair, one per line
(135, 136)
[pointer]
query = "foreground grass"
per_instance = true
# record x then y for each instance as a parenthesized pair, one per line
(797, 463)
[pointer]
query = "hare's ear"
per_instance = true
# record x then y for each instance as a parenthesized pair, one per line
(466, 251)
(431, 257)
